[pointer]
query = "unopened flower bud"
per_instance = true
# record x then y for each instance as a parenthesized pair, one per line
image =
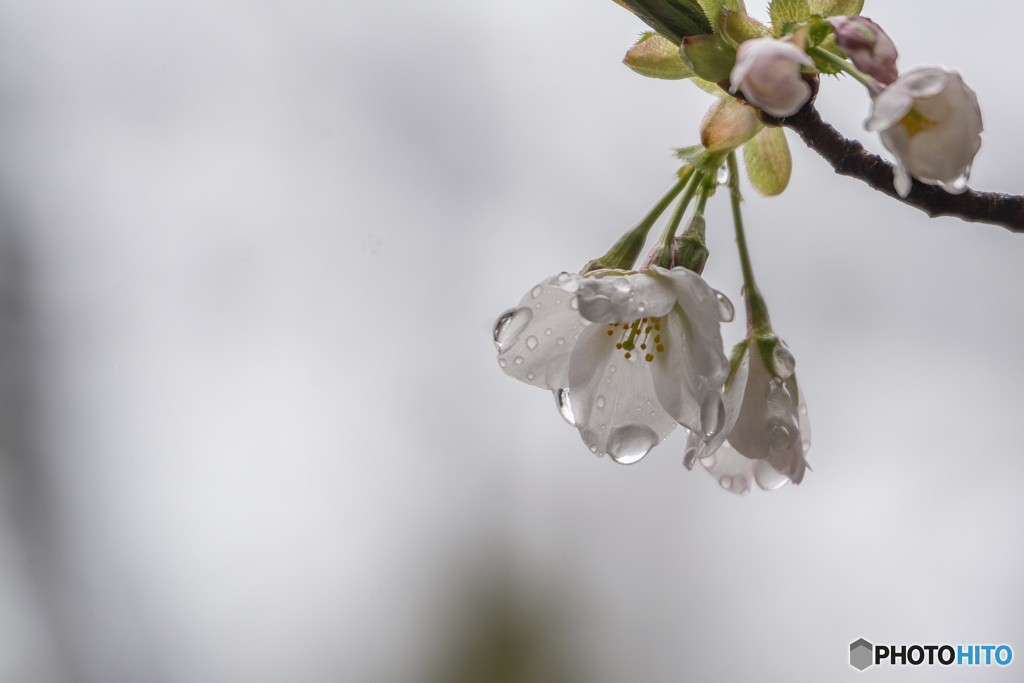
(728, 124)
(689, 249)
(767, 71)
(867, 46)
(655, 56)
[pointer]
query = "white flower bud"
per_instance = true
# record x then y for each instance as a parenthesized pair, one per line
(768, 73)
(931, 121)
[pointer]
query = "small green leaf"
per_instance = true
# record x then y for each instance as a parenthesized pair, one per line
(674, 19)
(710, 57)
(714, 8)
(784, 11)
(737, 27)
(819, 30)
(833, 8)
(655, 56)
(768, 162)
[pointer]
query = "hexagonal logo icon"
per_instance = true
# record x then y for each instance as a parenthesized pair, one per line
(861, 654)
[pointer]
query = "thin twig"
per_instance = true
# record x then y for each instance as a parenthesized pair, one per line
(849, 158)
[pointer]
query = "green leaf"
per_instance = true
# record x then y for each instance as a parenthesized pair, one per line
(737, 27)
(710, 57)
(768, 162)
(674, 19)
(784, 11)
(655, 56)
(832, 8)
(714, 8)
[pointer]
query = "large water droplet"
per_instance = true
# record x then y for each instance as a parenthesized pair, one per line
(509, 325)
(564, 405)
(803, 410)
(767, 477)
(690, 456)
(779, 437)
(725, 310)
(959, 184)
(712, 415)
(806, 443)
(723, 175)
(726, 482)
(531, 342)
(537, 291)
(600, 401)
(568, 282)
(778, 399)
(785, 363)
(628, 443)
(709, 461)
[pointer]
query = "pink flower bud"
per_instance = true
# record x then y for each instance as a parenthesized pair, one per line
(768, 72)
(870, 49)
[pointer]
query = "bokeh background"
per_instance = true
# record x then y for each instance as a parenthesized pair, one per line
(252, 427)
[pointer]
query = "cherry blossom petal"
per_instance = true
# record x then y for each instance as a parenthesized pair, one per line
(732, 471)
(625, 298)
(613, 399)
(535, 339)
(696, 448)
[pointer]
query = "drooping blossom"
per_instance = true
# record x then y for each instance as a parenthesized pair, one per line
(628, 355)
(767, 433)
(767, 71)
(931, 121)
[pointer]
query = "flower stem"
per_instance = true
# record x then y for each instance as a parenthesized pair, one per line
(843, 65)
(757, 310)
(696, 180)
(624, 252)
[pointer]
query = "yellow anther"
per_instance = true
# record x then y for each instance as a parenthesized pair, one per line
(649, 357)
(660, 348)
(914, 122)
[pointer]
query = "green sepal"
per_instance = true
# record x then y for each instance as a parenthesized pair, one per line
(783, 12)
(735, 358)
(737, 27)
(674, 19)
(768, 161)
(766, 346)
(710, 57)
(655, 56)
(835, 8)
(817, 31)
(690, 249)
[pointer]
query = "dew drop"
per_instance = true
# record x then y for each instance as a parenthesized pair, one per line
(767, 477)
(509, 325)
(653, 414)
(629, 443)
(537, 291)
(502, 362)
(531, 342)
(530, 376)
(593, 449)
(785, 363)
(709, 461)
(779, 437)
(600, 401)
(778, 399)
(574, 303)
(690, 457)
(723, 175)
(712, 415)
(519, 360)
(564, 406)
(548, 332)
(539, 304)
(803, 410)
(725, 310)
(726, 482)
(560, 341)
(806, 443)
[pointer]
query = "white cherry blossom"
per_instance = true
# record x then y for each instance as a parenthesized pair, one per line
(767, 433)
(931, 121)
(628, 355)
(768, 72)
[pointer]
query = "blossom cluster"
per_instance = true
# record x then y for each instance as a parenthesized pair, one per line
(630, 353)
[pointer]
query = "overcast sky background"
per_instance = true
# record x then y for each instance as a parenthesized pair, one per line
(252, 425)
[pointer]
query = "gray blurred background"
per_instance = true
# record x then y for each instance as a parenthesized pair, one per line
(251, 423)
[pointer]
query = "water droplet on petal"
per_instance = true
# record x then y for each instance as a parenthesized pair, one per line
(712, 415)
(548, 332)
(564, 405)
(561, 341)
(530, 376)
(600, 401)
(537, 291)
(779, 437)
(502, 362)
(574, 303)
(509, 325)
(519, 360)
(611, 369)
(778, 399)
(690, 457)
(806, 444)
(531, 342)
(785, 363)
(726, 482)
(629, 443)
(725, 310)
(767, 477)
(593, 449)
(709, 461)
(803, 410)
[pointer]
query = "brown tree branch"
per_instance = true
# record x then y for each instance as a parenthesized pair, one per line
(848, 157)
